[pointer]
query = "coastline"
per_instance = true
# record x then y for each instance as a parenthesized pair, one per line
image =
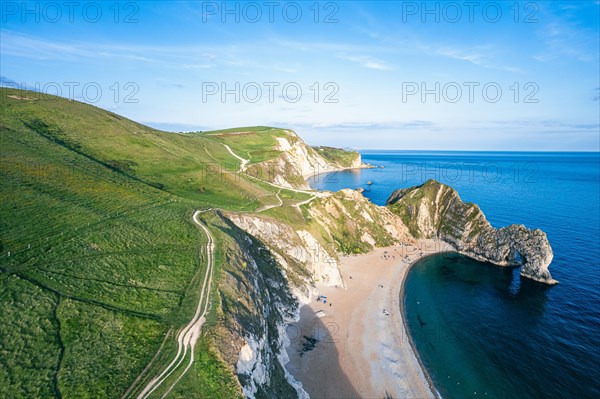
(432, 387)
(323, 172)
(362, 347)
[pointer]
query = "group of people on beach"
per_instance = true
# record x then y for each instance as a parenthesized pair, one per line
(323, 298)
(406, 258)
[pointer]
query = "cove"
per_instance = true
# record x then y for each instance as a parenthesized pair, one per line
(481, 331)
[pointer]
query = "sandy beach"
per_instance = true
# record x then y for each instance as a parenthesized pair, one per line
(363, 350)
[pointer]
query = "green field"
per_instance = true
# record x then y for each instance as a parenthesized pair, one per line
(337, 155)
(252, 143)
(100, 261)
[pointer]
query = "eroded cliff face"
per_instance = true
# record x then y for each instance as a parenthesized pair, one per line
(434, 210)
(357, 163)
(283, 262)
(306, 254)
(341, 223)
(353, 224)
(303, 259)
(295, 163)
(252, 305)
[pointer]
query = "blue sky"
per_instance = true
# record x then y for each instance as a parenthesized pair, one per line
(380, 74)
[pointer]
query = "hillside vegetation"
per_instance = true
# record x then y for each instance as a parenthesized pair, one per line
(110, 288)
(100, 262)
(338, 156)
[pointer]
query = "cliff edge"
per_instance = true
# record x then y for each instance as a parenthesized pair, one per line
(294, 161)
(434, 210)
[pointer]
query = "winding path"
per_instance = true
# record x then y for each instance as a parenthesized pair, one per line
(242, 160)
(188, 336)
(264, 208)
(314, 193)
(299, 204)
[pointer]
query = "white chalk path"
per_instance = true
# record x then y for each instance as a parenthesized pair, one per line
(314, 193)
(188, 336)
(243, 161)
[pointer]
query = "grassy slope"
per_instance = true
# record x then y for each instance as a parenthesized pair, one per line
(96, 215)
(253, 143)
(337, 156)
(193, 166)
(101, 262)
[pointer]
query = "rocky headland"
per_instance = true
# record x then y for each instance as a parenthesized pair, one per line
(434, 210)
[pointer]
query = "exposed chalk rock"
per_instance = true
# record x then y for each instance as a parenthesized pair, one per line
(290, 246)
(296, 162)
(434, 210)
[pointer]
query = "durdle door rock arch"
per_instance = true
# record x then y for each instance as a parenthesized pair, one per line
(434, 210)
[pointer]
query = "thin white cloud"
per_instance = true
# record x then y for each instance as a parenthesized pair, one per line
(187, 57)
(480, 56)
(19, 45)
(367, 62)
(334, 47)
(474, 58)
(563, 36)
(544, 57)
(543, 125)
(391, 125)
(196, 66)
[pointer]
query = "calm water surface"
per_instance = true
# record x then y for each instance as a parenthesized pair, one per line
(481, 330)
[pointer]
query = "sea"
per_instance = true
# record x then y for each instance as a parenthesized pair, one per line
(483, 331)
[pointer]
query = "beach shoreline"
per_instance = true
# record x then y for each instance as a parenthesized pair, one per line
(355, 342)
(428, 377)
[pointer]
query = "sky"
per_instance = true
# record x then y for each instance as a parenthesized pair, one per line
(413, 75)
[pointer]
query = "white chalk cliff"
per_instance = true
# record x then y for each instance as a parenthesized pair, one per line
(434, 210)
(296, 162)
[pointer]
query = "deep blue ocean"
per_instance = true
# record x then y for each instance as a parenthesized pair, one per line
(482, 330)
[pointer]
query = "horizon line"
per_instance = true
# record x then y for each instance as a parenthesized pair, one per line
(513, 151)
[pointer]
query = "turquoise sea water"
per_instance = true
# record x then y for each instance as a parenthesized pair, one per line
(482, 330)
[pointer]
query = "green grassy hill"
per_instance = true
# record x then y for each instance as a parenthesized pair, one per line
(192, 166)
(337, 155)
(96, 262)
(253, 143)
(100, 262)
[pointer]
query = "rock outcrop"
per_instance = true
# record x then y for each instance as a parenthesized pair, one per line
(296, 162)
(253, 304)
(353, 224)
(302, 257)
(434, 210)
